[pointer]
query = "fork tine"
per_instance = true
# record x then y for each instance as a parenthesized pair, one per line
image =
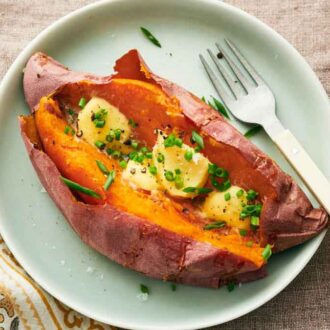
(247, 66)
(236, 90)
(238, 73)
(216, 83)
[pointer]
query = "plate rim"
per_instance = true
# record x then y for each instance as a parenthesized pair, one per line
(20, 61)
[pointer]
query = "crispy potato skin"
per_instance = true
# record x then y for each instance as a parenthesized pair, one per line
(288, 218)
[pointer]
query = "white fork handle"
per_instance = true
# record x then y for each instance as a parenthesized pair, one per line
(305, 167)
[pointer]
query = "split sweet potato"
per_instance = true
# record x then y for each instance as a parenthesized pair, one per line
(155, 235)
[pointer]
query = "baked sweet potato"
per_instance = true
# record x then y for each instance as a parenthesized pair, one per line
(164, 234)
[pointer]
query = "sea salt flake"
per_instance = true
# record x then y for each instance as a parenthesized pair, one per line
(142, 297)
(90, 270)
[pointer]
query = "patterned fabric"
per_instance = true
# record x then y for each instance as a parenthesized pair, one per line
(303, 305)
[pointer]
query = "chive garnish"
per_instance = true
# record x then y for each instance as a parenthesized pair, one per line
(117, 133)
(220, 107)
(144, 289)
(172, 141)
(149, 155)
(195, 137)
(116, 154)
(253, 131)
(251, 210)
(153, 170)
(134, 144)
(251, 195)
(230, 286)
(102, 167)
(99, 144)
(151, 37)
(169, 176)
(76, 186)
(200, 191)
(82, 102)
(220, 186)
(178, 182)
(188, 155)
(243, 232)
(132, 123)
(70, 112)
(267, 252)
(66, 129)
(227, 196)
(240, 193)
(144, 150)
(109, 181)
(203, 99)
(123, 164)
(99, 123)
(254, 221)
(217, 171)
(173, 287)
(160, 158)
(110, 151)
(215, 225)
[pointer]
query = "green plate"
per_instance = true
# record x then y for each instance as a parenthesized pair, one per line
(90, 40)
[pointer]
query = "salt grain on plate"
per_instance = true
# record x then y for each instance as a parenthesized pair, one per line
(90, 269)
(142, 297)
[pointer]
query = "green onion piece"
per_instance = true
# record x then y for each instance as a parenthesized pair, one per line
(116, 154)
(132, 155)
(132, 123)
(215, 170)
(109, 181)
(253, 131)
(160, 158)
(144, 289)
(203, 99)
(220, 186)
(178, 142)
(71, 112)
(139, 158)
(220, 107)
(99, 144)
(169, 176)
(267, 252)
(78, 187)
(67, 129)
(251, 210)
(215, 225)
(144, 150)
(153, 170)
(243, 232)
(177, 171)
(172, 141)
(173, 287)
(123, 164)
(230, 286)
(82, 102)
(254, 221)
(195, 137)
(240, 193)
(227, 196)
(149, 155)
(134, 144)
(102, 167)
(151, 37)
(204, 190)
(188, 155)
(99, 123)
(110, 136)
(178, 182)
(189, 189)
(197, 149)
(110, 151)
(117, 134)
(251, 195)
(249, 244)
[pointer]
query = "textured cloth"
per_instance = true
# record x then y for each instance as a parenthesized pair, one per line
(303, 304)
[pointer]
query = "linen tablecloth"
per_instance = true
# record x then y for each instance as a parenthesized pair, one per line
(304, 304)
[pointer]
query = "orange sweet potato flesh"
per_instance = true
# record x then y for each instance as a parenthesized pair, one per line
(76, 160)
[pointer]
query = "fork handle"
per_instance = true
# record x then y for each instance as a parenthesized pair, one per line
(305, 167)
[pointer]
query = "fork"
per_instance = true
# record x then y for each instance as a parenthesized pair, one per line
(254, 102)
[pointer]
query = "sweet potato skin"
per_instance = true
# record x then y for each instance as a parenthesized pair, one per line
(287, 219)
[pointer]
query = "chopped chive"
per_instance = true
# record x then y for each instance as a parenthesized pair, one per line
(253, 131)
(188, 155)
(240, 193)
(110, 179)
(110, 136)
(149, 155)
(117, 133)
(177, 171)
(189, 189)
(132, 155)
(116, 154)
(203, 99)
(230, 286)
(132, 123)
(178, 182)
(99, 123)
(220, 107)
(78, 187)
(102, 167)
(153, 170)
(254, 221)
(204, 190)
(144, 150)
(267, 252)
(134, 144)
(243, 232)
(123, 164)
(220, 186)
(139, 158)
(169, 176)
(172, 141)
(144, 289)
(215, 170)
(160, 158)
(249, 244)
(227, 196)
(99, 144)
(251, 195)
(173, 287)
(71, 112)
(67, 129)
(82, 102)
(151, 37)
(195, 137)
(251, 210)
(110, 151)
(215, 225)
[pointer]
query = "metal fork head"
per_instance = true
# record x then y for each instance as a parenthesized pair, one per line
(249, 99)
